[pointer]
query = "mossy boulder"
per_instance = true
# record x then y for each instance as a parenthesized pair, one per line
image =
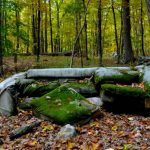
(86, 88)
(63, 105)
(39, 89)
(114, 75)
(123, 98)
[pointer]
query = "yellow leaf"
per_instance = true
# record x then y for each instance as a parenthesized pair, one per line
(95, 146)
(32, 143)
(71, 145)
(114, 128)
(47, 127)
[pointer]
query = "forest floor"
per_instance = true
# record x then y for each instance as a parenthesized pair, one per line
(108, 132)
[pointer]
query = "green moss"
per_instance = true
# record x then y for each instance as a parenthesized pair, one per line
(38, 89)
(86, 89)
(124, 91)
(62, 105)
(126, 77)
(147, 87)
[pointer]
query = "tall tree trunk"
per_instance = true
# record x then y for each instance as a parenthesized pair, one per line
(121, 35)
(51, 28)
(142, 30)
(78, 36)
(129, 56)
(116, 34)
(46, 45)
(4, 26)
(34, 29)
(17, 37)
(58, 27)
(1, 38)
(42, 46)
(85, 32)
(38, 31)
(99, 33)
(77, 46)
(28, 32)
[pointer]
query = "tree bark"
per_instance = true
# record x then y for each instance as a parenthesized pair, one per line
(116, 34)
(34, 33)
(78, 36)
(142, 30)
(17, 37)
(129, 56)
(1, 38)
(46, 43)
(42, 46)
(85, 32)
(58, 27)
(51, 28)
(99, 33)
(38, 31)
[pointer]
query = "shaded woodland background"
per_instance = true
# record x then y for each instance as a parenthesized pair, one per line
(88, 29)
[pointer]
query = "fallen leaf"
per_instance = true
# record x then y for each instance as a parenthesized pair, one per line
(114, 128)
(95, 146)
(47, 128)
(31, 143)
(70, 145)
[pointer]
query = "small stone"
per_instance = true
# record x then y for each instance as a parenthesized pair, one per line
(67, 132)
(1, 141)
(109, 149)
(96, 101)
(131, 118)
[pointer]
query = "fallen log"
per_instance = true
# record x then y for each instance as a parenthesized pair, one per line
(23, 130)
(11, 81)
(124, 98)
(61, 73)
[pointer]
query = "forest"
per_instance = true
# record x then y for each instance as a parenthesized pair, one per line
(74, 75)
(87, 29)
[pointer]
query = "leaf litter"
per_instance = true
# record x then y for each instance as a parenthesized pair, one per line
(109, 132)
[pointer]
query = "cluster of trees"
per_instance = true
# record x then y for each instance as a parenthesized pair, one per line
(89, 27)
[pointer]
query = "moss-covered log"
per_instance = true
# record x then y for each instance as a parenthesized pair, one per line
(23, 130)
(63, 105)
(114, 75)
(124, 91)
(11, 81)
(122, 98)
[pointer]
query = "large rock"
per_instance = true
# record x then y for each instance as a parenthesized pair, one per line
(37, 89)
(63, 105)
(86, 88)
(7, 104)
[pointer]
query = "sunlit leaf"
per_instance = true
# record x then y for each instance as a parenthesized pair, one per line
(70, 145)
